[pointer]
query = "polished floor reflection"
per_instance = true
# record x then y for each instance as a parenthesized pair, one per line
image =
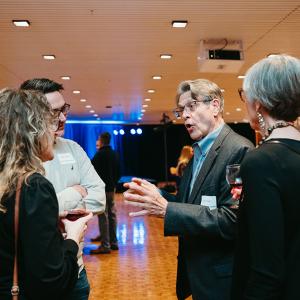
(143, 268)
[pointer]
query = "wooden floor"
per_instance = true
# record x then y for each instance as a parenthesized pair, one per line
(143, 268)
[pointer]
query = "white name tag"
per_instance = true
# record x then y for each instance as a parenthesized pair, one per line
(66, 158)
(210, 201)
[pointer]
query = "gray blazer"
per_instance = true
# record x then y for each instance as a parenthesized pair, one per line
(206, 237)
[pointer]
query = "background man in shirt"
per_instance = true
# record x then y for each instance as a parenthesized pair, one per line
(75, 180)
(202, 213)
(106, 163)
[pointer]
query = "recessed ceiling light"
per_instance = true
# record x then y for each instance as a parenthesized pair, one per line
(147, 99)
(95, 115)
(88, 106)
(151, 91)
(65, 77)
(179, 24)
(145, 105)
(76, 92)
(49, 56)
(156, 77)
(241, 76)
(92, 111)
(139, 118)
(227, 113)
(82, 100)
(238, 109)
(21, 23)
(246, 120)
(143, 110)
(235, 122)
(166, 56)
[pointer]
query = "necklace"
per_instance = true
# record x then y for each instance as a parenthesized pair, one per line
(279, 124)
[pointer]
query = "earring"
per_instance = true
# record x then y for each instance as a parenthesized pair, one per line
(262, 126)
(261, 122)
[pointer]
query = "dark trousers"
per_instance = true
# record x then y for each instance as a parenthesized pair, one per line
(108, 222)
(81, 290)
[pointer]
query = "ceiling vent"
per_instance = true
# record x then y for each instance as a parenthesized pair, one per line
(220, 56)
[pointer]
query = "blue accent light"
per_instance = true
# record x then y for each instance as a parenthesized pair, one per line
(139, 131)
(121, 131)
(115, 132)
(132, 131)
(94, 122)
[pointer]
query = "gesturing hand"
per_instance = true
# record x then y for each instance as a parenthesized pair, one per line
(146, 196)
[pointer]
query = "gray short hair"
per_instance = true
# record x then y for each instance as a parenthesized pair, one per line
(275, 83)
(201, 87)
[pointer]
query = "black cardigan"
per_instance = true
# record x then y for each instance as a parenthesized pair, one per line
(267, 264)
(47, 263)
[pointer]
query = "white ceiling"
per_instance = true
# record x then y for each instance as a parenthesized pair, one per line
(111, 49)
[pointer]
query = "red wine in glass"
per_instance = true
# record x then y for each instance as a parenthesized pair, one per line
(74, 215)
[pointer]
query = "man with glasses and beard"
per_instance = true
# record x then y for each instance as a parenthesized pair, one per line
(202, 214)
(75, 180)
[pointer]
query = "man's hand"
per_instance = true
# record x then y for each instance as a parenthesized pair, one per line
(80, 189)
(146, 196)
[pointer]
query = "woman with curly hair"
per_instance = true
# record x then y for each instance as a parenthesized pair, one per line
(47, 263)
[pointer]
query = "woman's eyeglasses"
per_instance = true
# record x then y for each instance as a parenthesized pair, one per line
(242, 94)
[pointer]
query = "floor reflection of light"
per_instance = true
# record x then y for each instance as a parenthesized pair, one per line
(122, 234)
(138, 233)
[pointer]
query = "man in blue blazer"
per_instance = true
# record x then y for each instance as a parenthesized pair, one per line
(202, 214)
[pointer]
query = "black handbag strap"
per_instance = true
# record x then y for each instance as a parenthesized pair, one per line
(15, 287)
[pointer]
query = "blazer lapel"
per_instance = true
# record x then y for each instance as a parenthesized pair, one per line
(208, 163)
(184, 187)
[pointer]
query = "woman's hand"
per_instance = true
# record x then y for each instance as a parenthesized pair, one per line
(75, 229)
(146, 196)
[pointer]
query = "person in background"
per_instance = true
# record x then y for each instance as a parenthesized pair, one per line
(185, 155)
(201, 213)
(47, 263)
(75, 180)
(106, 163)
(267, 265)
(98, 145)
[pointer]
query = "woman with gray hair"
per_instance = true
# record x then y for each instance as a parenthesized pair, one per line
(35, 261)
(267, 264)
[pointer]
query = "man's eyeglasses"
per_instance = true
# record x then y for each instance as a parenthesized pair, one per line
(64, 109)
(189, 107)
(54, 125)
(242, 94)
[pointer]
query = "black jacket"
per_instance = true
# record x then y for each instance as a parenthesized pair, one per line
(106, 164)
(47, 263)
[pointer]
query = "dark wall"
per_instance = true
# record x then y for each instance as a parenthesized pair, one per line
(144, 155)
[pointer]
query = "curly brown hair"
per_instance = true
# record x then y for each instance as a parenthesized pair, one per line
(25, 117)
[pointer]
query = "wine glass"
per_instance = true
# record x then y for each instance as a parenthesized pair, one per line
(75, 210)
(233, 176)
